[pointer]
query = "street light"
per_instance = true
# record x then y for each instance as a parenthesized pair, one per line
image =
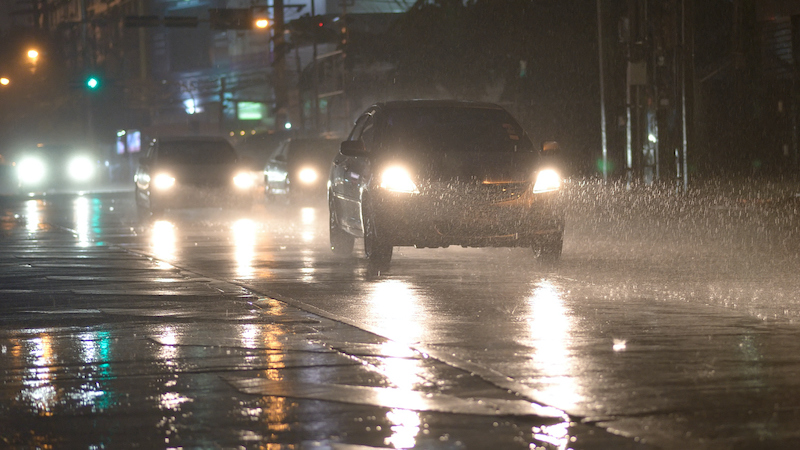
(4, 81)
(262, 23)
(33, 57)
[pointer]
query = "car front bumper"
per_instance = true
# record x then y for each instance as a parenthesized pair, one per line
(425, 220)
(201, 197)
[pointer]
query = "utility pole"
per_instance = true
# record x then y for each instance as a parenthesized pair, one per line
(640, 151)
(345, 44)
(279, 66)
(603, 135)
(795, 91)
(687, 83)
(315, 81)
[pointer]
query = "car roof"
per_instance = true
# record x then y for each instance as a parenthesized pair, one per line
(193, 139)
(414, 104)
(312, 141)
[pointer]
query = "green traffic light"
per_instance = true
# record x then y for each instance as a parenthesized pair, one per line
(92, 83)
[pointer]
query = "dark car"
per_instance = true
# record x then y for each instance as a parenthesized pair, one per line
(44, 168)
(298, 169)
(185, 172)
(438, 173)
(8, 177)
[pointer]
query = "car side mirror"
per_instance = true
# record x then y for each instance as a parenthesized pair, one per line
(550, 148)
(353, 148)
(552, 157)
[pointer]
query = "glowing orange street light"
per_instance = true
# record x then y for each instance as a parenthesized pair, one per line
(33, 54)
(4, 81)
(262, 23)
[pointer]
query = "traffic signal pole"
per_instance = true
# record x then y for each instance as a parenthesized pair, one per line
(88, 62)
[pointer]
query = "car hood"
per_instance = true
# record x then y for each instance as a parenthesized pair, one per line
(201, 173)
(505, 167)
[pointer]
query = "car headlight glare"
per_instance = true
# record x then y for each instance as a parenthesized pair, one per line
(307, 175)
(397, 179)
(547, 180)
(243, 180)
(163, 181)
(80, 169)
(31, 171)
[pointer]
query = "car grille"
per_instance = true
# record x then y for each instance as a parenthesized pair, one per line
(206, 181)
(460, 193)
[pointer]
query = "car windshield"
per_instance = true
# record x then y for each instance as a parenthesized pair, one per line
(302, 150)
(197, 152)
(449, 129)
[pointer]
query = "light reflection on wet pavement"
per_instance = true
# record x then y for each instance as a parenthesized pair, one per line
(682, 343)
(104, 348)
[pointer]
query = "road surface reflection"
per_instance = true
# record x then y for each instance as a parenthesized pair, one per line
(163, 240)
(550, 335)
(245, 240)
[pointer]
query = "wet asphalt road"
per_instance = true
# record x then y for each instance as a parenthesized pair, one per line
(672, 322)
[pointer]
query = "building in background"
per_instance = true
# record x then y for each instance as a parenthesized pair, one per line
(701, 87)
(690, 86)
(178, 68)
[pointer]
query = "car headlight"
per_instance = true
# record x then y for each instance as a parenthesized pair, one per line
(397, 179)
(80, 169)
(547, 180)
(163, 181)
(31, 170)
(307, 175)
(243, 180)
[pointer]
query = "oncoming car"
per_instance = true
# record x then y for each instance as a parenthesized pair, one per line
(431, 173)
(298, 169)
(186, 172)
(56, 168)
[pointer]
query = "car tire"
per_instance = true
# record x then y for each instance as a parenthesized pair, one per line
(142, 211)
(268, 197)
(547, 249)
(341, 242)
(154, 208)
(376, 248)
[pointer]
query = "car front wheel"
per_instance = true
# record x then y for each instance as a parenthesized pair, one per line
(547, 249)
(376, 248)
(142, 210)
(154, 206)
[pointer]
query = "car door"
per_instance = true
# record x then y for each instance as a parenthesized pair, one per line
(350, 174)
